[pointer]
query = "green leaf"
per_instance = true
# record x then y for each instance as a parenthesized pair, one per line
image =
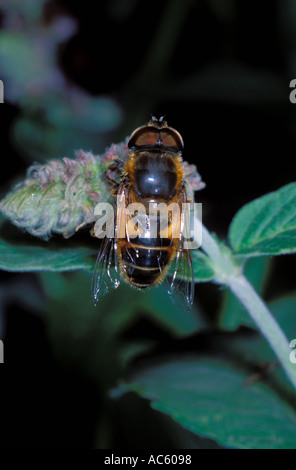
(252, 349)
(232, 314)
(208, 398)
(203, 271)
(20, 253)
(25, 254)
(267, 225)
(36, 258)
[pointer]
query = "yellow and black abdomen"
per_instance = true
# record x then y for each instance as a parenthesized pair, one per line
(154, 178)
(143, 265)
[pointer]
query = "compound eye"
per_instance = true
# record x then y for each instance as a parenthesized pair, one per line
(172, 139)
(150, 136)
(144, 137)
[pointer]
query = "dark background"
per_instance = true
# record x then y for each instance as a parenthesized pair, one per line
(220, 72)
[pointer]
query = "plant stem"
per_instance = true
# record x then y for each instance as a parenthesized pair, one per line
(222, 263)
(266, 323)
(228, 273)
(209, 244)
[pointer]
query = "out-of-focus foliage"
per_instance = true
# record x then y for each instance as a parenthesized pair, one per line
(56, 115)
(93, 338)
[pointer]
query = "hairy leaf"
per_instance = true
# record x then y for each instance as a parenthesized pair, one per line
(267, 225)
(208, 398)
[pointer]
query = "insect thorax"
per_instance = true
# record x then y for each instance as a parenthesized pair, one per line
(155, 175)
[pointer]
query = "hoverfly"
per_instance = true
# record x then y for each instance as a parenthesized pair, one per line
(152, 174)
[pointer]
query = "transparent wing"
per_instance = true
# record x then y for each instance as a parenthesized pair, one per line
(180, 279)
(180, 276)
(106, 274)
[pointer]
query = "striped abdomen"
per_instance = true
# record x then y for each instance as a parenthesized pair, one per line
(144, 262)
(154, 178)
(144, 259)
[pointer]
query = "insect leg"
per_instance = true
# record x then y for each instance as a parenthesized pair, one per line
(86, 222)
(112, 184)
(118, 163)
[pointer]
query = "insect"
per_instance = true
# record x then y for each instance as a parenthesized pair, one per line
(152, 176)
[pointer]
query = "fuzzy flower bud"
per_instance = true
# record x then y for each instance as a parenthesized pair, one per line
(57, 197)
